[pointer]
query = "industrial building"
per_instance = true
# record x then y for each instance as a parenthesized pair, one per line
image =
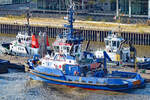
(130, 8)
(124, 7)
(95, 5)
(2, 2)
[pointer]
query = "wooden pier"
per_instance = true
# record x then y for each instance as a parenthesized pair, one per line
(93, 35)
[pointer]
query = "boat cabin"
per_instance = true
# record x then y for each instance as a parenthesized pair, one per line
(112, 42)
(66, 47)
(22, 37)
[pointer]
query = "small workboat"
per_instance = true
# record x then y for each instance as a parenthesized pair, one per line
(69, 65)
(114, 48)
(121, 52)
(25, 43)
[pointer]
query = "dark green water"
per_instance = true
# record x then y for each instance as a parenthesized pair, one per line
(17, 85)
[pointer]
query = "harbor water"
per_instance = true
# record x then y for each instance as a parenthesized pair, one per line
(17, 85)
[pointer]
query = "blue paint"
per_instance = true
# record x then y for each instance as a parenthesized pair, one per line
(72, 70)
(80, 74)
(70, 57)
(90, 82)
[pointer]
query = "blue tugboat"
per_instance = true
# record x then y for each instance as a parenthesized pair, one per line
(69, 65)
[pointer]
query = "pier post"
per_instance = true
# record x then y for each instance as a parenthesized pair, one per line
(139, 39)
(98, 36)
(83, 34)
(52, 34)
(147, 40)
(0, 28)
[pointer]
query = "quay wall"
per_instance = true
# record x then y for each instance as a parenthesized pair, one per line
(93, 35)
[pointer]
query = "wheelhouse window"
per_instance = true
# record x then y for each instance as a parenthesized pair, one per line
(76, 49)
(114, 43)
(68, 49)
(60, 57)
(107, 43)
(118, 43)
(56, 48)
(65, 48)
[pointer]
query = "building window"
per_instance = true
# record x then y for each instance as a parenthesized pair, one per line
(19, 1)
(138, 7)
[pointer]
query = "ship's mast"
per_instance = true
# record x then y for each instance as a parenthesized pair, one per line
(70, 20)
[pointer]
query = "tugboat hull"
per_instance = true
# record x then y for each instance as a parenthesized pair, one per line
(94, 83)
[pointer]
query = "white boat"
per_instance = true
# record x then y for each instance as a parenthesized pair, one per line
(115, 49)
(23, 45)
(119, 52)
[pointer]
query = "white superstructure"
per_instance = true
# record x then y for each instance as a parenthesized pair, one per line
(113, 47)
(23, 45)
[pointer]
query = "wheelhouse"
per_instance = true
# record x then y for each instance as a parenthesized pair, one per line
(23, 38)
(113, 42)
